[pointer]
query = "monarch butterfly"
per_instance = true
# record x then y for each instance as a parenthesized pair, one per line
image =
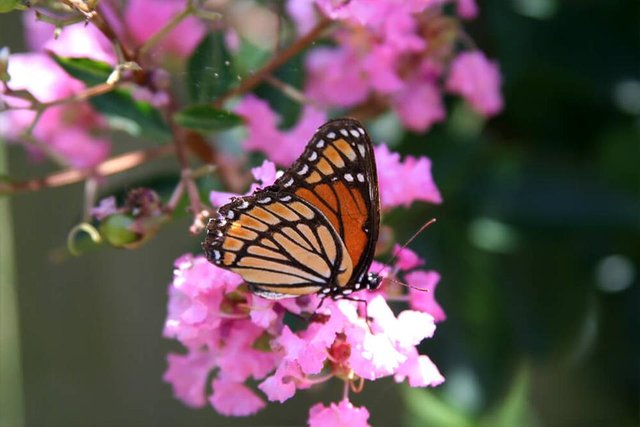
(314, 230)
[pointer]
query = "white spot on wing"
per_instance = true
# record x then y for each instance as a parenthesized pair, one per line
(360, 177)
(313, 156)
(362, 150)
(320, 144)
(348, 177)
(303, 170)
(354, 133)
(244, 205)
(361, 131)
(265, 200)
(285, 198)
(217, 255)
(331, 135)
(230, 214)
(344, 132)
(288, 183)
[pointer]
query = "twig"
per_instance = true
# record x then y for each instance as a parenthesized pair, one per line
(285, 55)
(162, 32)
(289, 90)
(108, 167)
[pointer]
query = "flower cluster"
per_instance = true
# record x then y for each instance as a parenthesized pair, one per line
(291, 344)
(395, 54)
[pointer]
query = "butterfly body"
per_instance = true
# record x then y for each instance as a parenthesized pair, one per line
(314, 230)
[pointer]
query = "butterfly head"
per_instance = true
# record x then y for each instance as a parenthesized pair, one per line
(372, 281)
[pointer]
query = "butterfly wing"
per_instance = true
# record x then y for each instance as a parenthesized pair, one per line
(279, 243)
(337, 175)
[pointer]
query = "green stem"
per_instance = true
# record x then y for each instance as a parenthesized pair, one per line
(11, 391)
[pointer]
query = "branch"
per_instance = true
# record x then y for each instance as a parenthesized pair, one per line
(108, 167)
(277, 62)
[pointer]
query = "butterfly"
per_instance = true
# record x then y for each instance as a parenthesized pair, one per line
(314, 230)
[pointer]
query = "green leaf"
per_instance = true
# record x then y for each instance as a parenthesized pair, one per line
(87, 70)
(206, 118)
(425, 408)
(289, 110)
(8, 5)
(209, 71)
(514, 410)
(135, 117)
(138, 118)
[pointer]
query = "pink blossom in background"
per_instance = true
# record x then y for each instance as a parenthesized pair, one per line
(68, 129)
(406, 258)
(281, 147)
(335, 77)
(303, 14)
(144, 18)
(402, 183)
(478, 80)
(419, 106)
(76, 41)
(343, 414)
(264, 174)
(425, 301)
(467, 9)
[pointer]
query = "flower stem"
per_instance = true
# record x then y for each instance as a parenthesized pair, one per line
(282, 57)
(162, 32)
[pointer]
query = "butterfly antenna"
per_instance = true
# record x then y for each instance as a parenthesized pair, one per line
(395, 255)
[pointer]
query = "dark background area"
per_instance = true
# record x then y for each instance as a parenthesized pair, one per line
(537, 242)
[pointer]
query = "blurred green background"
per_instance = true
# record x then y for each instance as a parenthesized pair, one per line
(538, 244)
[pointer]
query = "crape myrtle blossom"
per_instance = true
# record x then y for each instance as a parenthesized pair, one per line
(242, 338)
(397, 53)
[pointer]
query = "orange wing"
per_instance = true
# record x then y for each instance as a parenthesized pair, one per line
(280, 244)
(337, 175)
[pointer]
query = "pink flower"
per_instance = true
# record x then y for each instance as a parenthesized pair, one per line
(144, 18)
(343, 414)
(75, 41)
(336, 77)
(188, 375)
(282, 385)
(66, 129)
(403, 183)
(419, 105)
(234, 399)
(419, 370)
(107, 206)
(265, 174)
(282, 147)
(467, 9)
(478, 80)
(303, 14)
(406, 258)
(425, 301)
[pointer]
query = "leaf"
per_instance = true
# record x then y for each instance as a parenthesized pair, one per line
(289, 110)
(87, 70)
(9, 5)
(135, 117)
(138, 118)
(429, 410)
(209, 71)
(514, 410)
(206, 118)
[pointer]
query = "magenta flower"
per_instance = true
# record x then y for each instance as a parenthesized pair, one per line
(68, 129)
(343, 414)
(232, 398)
(282, 147)
(144, 18)
(478, 80)
(401, 183)
(425, 301)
